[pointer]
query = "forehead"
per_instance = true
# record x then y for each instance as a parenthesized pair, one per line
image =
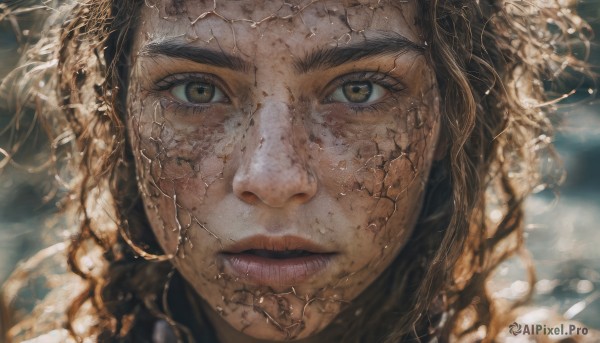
(253, 27)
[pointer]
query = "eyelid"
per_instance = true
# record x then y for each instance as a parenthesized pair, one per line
(383, 79)
(174, 80)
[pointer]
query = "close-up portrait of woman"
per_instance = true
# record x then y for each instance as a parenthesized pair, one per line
(291, 170)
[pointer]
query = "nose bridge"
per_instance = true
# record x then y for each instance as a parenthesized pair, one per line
(274, 151)
(274, 168)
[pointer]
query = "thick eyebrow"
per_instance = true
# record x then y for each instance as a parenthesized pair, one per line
(195, 54)
(336, 56)
(318, 59)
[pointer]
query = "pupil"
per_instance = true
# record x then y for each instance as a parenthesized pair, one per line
(199, 92)
(358, 91)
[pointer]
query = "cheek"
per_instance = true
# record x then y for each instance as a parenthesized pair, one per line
(181, 162)
(381, 168)
(176, 165)
(380, 176)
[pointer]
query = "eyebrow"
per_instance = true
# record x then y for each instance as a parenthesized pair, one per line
(336, 56)
(195, 54)
(317, 59)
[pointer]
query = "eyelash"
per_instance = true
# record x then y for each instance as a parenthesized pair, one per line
(171, 81)
(178, 79)
(390, 83)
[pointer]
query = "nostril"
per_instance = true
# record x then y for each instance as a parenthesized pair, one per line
(302, 197)
(249, 197)
(273, 200)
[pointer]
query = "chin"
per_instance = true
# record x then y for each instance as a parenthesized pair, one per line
(280, 317)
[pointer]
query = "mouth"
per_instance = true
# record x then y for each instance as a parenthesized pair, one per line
(276, 261)
(277, 254)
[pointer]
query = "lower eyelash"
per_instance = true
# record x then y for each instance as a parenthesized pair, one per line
(385, 104)
(375, 107)
(167, 84)
(181, 109)
(392, 85)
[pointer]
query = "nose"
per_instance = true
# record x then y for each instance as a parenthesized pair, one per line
(274, 169)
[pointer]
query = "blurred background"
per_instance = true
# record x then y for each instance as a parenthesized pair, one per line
(563, 232)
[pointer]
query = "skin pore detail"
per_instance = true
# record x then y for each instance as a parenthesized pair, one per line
(261, 121)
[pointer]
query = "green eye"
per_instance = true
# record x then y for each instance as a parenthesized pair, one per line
(196, 92)
(358, 92)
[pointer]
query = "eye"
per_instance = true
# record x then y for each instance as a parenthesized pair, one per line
(358, 92)
(197, 92)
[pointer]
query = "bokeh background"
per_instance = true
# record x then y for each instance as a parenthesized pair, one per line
(563, 233)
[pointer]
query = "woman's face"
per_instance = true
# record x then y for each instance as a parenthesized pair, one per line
(282, 150)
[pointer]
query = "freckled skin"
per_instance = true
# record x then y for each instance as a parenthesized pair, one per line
(278, 158)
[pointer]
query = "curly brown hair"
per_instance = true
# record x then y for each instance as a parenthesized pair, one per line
(491, 58)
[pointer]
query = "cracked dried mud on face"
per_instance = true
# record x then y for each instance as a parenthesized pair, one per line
(280, 151)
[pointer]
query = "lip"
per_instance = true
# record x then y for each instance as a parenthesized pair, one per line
(262, 260)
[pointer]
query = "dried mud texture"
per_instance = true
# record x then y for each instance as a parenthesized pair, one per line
(180, 164)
